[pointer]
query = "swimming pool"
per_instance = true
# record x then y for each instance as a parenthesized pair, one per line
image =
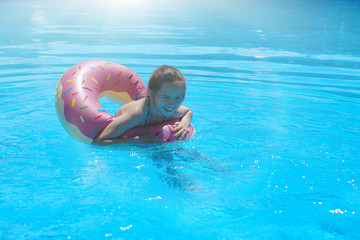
(274, 87)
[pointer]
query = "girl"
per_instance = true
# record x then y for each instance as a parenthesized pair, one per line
(167, 90)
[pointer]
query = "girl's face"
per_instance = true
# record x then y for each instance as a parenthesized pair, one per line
(169, 97)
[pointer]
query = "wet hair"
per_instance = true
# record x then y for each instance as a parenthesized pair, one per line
(164, 74)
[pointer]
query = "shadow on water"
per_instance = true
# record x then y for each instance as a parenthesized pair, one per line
(186, 169)
(179, 167)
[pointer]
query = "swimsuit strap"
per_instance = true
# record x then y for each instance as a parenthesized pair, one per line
(137, 98)
(148, 111)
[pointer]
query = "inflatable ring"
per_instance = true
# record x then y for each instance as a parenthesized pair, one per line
(77, 100)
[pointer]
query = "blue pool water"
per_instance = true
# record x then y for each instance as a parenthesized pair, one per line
(274, 87)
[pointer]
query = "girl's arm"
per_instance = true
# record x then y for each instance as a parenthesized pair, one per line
(118, 127)
(181, 112)
(181, 129)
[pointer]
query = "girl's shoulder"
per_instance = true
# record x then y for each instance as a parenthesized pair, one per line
(136, 108)
(180, 112)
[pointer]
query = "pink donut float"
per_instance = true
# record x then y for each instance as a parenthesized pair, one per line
(77, 100)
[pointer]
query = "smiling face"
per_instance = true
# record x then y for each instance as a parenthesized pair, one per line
(169, 98)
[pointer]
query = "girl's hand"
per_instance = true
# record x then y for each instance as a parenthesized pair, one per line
(181, 130)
